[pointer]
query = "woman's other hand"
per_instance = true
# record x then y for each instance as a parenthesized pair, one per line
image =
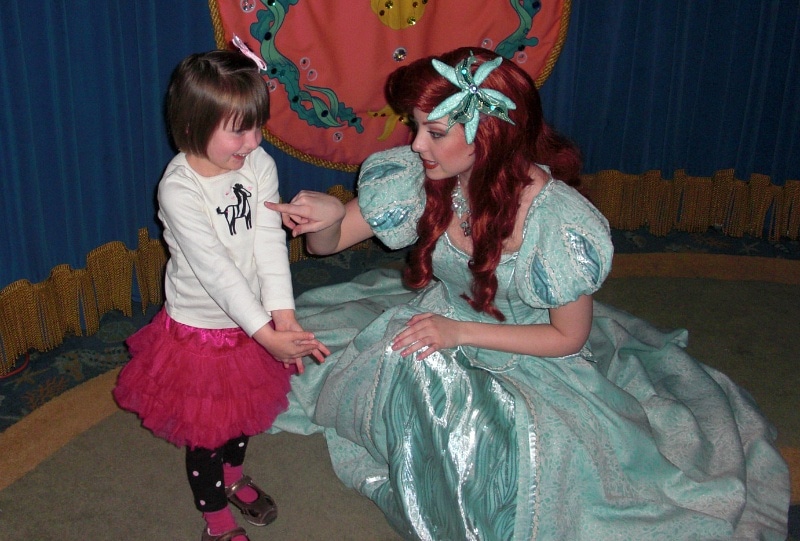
(425, 334)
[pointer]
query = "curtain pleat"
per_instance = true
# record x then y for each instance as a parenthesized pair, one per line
(83, 135)
(700, 86)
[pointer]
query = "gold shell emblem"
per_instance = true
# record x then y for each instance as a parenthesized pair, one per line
(399, 14)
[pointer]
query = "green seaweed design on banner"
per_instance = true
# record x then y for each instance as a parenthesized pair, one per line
(316, 111)
(517, 40)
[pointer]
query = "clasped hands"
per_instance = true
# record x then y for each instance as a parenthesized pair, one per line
(288, 342)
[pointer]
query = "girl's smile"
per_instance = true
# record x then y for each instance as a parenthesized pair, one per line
(444, 153)
(227, 149)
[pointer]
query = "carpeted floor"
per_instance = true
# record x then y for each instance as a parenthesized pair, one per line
(735, 307)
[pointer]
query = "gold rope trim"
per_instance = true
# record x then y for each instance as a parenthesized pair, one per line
(216, 22)
(319, 162)
(555, 52)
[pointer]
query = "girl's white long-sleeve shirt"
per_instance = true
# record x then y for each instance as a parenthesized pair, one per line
(229, 264)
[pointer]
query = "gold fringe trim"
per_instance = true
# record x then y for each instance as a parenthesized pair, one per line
(17, 314)
(694, 204)
(72, 301)
(149, 260)
(110, 267)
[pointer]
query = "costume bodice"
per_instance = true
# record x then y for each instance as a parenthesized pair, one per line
(565, 252)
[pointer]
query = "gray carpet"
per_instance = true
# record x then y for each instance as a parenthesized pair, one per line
(115, 481)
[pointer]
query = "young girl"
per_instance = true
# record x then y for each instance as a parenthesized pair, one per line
(213, 367)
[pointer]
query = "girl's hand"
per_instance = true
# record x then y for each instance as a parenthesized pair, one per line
(284, 320)
(290, 346)
(430, 331)
(309, 212)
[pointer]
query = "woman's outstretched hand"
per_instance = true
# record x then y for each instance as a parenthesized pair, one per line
(309, 212)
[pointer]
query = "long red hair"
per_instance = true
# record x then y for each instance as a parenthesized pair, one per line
(504, 153)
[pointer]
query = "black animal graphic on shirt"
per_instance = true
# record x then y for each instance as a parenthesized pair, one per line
(240, 210)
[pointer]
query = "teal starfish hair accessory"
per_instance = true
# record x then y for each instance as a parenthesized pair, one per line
(464, 106)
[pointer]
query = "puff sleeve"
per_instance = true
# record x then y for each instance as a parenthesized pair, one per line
(566, 251)
(390, 195)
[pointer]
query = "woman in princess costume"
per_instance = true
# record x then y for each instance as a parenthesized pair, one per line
(484, 394)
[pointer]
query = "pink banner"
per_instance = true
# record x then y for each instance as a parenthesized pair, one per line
(327, 63)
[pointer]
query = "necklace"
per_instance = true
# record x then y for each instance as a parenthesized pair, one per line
(461, 207)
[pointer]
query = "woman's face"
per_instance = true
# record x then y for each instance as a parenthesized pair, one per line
(445, 154)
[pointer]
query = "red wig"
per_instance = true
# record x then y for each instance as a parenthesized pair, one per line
(504, 153)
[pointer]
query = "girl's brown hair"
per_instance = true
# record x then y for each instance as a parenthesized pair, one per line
(212, 88)
(504, 153)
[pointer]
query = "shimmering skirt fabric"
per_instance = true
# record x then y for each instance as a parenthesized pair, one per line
(640, 442)
(200, 387)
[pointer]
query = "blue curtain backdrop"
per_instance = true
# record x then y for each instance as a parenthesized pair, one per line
(682, 84)
(640, 85)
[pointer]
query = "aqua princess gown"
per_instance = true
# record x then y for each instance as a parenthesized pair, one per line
(629, 439)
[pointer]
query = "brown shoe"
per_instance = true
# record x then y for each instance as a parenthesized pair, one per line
(260, 512)
(227, 536)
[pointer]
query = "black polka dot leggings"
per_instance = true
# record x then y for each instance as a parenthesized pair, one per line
(204, 467)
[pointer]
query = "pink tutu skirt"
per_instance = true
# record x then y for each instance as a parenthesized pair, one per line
(201, 387)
